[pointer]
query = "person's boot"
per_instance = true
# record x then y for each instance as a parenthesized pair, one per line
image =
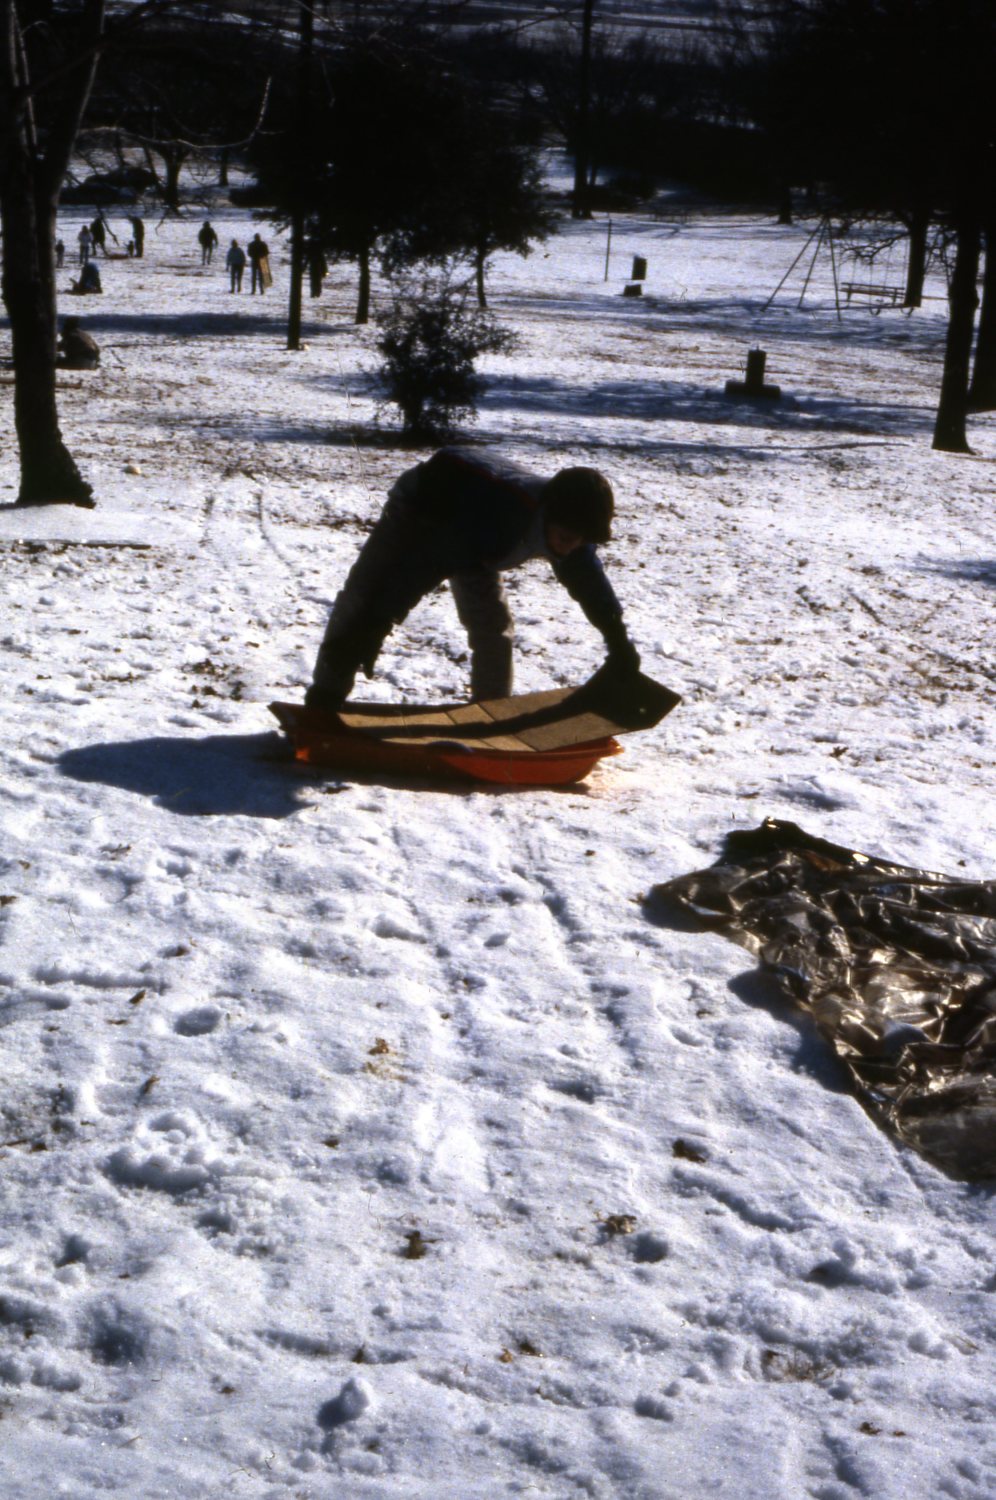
(340, 657)
(333, 677)
(323, 700)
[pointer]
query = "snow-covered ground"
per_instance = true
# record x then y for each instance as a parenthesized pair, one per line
(368, 1141)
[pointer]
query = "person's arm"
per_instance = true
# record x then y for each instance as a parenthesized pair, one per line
(584, 578)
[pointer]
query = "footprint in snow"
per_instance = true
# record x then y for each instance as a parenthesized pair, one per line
(200, 1021)
(389, 927)
(118, 1335)
(587, 1090)
(353, 1400)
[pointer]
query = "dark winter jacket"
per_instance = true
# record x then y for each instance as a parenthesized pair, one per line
(490, 513)
(78, 350)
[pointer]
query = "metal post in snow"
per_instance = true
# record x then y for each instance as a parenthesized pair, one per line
(817, 231)
(812, 263)
(608, 248)
(833, 267)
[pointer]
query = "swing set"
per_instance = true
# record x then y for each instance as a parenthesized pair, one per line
(889, 292)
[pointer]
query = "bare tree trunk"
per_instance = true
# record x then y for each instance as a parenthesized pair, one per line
(949, 428)
(173, 160)
(916, 268)
(581, 203)
(363, 304)
(982, 391)
(30, 181)
(784, 203)
(306, 24)
(167, 181)
(296, 278)
(480, 261)
(49, 474)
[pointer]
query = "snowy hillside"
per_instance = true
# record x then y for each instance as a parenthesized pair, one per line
(366, 1140)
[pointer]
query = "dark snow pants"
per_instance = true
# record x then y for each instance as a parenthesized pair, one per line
(404, 558)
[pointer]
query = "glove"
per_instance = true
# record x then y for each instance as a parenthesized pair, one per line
(623, 659)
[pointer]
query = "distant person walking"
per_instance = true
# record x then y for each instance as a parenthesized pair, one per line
(138, 235)
(85, 241)
(99, 236)
(207, 239)
(259, 261)
(60, 253)
(235, 260)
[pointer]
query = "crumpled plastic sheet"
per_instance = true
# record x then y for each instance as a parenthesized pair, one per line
(896, 965)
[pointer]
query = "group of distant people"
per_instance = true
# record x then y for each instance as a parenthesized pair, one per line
(93, 238)
(78, 350)
(257, 256)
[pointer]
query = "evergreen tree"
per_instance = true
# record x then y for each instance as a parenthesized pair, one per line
(371, 171)
(430, 341)
(403, 163)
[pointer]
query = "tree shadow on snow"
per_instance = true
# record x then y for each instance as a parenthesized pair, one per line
(233, 322)
(671, 401)
(217, 775)
(971, 569)
(251, 427)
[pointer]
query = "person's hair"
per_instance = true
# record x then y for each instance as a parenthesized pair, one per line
(581, 500)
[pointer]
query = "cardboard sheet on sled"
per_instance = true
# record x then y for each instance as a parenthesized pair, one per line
(544, 738)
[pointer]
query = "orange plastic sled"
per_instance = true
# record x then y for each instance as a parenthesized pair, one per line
(533, 739)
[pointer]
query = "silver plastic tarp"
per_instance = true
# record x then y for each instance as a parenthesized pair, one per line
(896, 965)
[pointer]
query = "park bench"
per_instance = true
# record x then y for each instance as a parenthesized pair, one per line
(893, 295)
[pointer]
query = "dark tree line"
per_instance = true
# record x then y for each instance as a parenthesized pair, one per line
(883, 110)
(182, 92)
(395, 147)
(878, 110)
(398, 160)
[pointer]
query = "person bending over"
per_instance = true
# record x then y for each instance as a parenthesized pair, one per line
(77, 349)
(465, 517)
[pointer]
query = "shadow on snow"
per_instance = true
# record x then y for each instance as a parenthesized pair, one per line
(217, 775)
(242, 775)
(233, 322)
(650, 401)
(615, 402)
(970, 569)
(758, 989)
